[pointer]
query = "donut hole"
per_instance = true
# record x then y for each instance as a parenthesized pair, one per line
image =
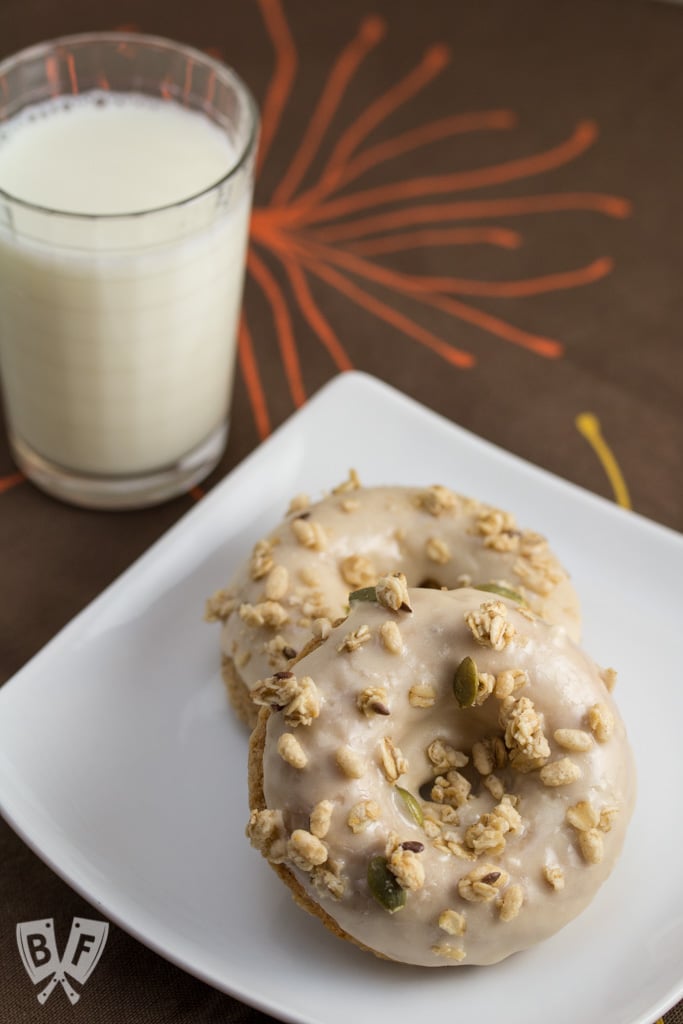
(470, 773)
(430, 583)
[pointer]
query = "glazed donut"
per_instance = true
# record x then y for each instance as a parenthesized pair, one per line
(444, 779)
(299, 577)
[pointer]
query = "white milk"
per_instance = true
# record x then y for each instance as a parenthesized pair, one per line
(117, 334)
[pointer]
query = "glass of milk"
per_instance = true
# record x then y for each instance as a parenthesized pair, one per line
(126, 176)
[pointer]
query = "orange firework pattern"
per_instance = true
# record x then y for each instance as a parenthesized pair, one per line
(318, 232)
(325, 231)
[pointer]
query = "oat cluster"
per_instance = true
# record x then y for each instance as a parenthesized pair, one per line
(266, 613)
(392, 592)
(436, 500)
(358, 571)
(490, 626)
(220, 606)
(525, 740)
(352, 483)
(309, 533)
(297, 698)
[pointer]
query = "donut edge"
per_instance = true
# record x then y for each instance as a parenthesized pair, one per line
(238, 693)
(257, 802)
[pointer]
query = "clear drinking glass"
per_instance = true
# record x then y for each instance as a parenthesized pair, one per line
(118, 331)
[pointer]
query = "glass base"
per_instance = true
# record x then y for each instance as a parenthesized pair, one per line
(120, 492)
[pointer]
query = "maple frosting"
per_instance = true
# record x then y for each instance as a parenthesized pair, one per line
(300, 575)
(445, 778)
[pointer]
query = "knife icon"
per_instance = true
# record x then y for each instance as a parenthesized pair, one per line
(38, 950)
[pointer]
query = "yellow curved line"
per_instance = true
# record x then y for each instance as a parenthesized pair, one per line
(589, 426)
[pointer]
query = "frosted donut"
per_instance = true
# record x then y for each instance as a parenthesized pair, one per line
(299, 577)
(444, 780)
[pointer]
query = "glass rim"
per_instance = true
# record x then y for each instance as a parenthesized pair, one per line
(226, 73)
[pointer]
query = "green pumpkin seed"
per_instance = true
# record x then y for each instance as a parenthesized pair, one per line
(364, 594)
(495, 588)
(384, 887)
(466, 683)
(412, 804)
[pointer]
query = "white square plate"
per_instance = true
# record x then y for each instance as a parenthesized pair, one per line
(123, 768)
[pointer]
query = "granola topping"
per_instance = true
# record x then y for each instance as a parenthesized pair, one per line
(354, 640)
(437, 550)
(560, 773)
(576, 740)
(609, 678)
(445, 949)
(390, 635)
(528, 748)
(321, 818)
(444, 757)
(363, 814)
(305, 850)
(417, 823)
(492, 521)
(309, 534)
(278, 651)
(591, 845)
(277, 583)
(352, 483)
(452, 789)
(358, 571)
(351, 762)
(489, 833)
(583, 816)
(407, 868)
(489, 625)
(489, 754)
(373, 701)
(600, 722)
(219, 606)
(266, 613)
(298, 698)
(554, 876)
(511, 902)
(328, 882)
(509, 681)
(483, 883)
(422, 695)
(392, 761)
(392, 592)
(299, 503)
(291, 751)
(452, 922)
(261, 559)
(296, 575)
(321, 627)
(436, 500)
(266, 832)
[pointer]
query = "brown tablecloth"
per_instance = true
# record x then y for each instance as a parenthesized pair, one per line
(487, 214)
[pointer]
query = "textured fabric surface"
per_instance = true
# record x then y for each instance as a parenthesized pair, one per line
(486, 212)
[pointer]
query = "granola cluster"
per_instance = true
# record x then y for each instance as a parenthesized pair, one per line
(524, 738)
(489, 625)
(297, 698)
(436, 500)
